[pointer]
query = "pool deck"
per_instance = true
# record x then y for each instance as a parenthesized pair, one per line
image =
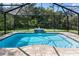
(42, 50)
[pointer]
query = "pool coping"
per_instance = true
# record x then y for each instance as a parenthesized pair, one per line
(59, 51)
(70, 37)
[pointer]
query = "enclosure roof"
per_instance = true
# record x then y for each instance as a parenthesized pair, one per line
(6, 7)
(72, 6)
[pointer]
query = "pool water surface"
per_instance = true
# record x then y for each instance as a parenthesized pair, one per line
(26, 39)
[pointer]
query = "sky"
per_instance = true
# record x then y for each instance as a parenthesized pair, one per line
(71, 4)
(45, 5)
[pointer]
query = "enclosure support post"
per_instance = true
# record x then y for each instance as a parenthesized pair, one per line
(14, 24)
(78, 24)
(54, 22)
(53, 18)
(67, 23)
(4, 23)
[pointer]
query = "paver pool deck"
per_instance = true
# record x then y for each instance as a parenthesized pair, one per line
(42, 50)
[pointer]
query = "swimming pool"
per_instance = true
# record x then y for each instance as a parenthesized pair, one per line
(25, 39)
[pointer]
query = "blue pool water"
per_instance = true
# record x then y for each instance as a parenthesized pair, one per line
(25, 39)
